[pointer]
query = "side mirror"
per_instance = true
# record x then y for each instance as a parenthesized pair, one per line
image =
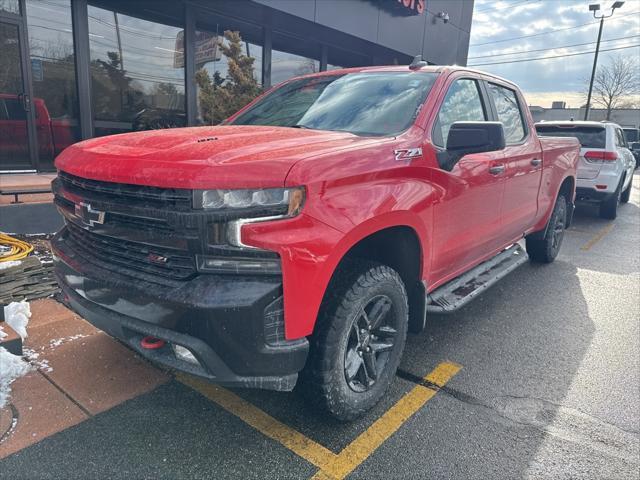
(471, 137)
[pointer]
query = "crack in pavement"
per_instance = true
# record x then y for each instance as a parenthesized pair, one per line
(565, 423)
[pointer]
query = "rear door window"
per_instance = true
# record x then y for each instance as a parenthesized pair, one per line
(509, 113)
(620, 140)
(589, 137)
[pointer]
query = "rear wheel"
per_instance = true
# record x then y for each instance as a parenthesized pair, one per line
(357, 347)
(609, 207)
(626, 195)
(545, 249)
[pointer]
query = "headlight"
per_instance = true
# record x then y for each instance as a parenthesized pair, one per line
(283, 201)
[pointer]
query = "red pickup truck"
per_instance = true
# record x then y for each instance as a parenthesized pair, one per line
(308, 234)
(54, 135)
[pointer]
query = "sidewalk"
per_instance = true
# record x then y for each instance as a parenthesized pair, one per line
(78, 373)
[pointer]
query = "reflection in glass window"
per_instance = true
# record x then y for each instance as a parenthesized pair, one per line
(462, 104)
(10, 6)
(373, 104)
(508, 112)
(137, 73)
(54, 77)
(219, 91)
(286, 65)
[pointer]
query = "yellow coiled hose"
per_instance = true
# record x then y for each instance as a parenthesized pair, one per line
(17, 249)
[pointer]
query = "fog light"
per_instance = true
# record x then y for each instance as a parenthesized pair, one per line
(239, 265)
(185, 354)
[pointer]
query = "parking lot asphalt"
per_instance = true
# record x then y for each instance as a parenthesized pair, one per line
(549, 387)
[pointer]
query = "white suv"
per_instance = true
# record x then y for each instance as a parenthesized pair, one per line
(605, 170)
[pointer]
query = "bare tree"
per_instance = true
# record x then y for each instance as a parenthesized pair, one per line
(616, 83)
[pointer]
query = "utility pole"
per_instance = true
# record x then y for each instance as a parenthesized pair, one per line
(595, 7)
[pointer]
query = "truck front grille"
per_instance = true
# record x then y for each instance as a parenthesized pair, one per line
(127, 257)
(136, 195)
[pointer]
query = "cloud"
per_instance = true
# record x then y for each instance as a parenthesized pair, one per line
(544, 80)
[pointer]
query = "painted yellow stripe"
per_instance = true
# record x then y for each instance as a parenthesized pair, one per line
(298, 443)
(369, 441)
(598, 236)
(332, 466)
(443, 373)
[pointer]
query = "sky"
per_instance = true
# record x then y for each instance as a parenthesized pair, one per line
(496, 24)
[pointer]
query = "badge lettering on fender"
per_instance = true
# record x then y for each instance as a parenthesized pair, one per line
(407, 153)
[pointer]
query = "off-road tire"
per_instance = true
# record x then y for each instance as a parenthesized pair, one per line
(545, 249)
(324, 379)
(609, 207)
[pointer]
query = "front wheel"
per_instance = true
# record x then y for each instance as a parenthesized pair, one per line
(546, 249)
(359, 341)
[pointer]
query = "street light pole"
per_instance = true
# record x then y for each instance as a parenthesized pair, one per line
(594, 8)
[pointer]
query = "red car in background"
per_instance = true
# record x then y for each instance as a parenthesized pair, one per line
(54, 135)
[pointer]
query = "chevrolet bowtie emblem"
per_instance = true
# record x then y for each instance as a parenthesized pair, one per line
(88, 215)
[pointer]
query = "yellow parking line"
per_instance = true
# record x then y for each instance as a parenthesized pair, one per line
(597, 237)
(332, 466)
(368, 442)
(298, 443)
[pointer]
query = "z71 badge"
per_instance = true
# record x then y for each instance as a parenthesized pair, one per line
(407, 153)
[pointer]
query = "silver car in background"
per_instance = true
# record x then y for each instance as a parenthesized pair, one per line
(605, 170)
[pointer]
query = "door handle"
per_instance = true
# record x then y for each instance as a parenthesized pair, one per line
(536, 162)
(496, 169)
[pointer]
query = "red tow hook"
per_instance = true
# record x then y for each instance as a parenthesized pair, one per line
(152, 343)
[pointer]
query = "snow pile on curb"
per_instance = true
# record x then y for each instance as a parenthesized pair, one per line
(16, 315)
(11, 367)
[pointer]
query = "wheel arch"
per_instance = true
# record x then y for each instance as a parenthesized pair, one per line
(399, 246)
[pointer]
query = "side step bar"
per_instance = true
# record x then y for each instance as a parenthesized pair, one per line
(460, 291)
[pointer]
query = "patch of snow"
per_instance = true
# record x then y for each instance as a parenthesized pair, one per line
(9, 264)
(17, 315)
(34, 359)
(2, 333)
(11, 367)
(59, 341)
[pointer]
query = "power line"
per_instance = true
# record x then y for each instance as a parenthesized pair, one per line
(551, 48)
(550, 31)
(554, 56)
(518, 2)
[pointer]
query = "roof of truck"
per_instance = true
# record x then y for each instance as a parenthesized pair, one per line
(448, 69)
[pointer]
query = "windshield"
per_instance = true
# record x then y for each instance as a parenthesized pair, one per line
(589, 137)
(376, 104)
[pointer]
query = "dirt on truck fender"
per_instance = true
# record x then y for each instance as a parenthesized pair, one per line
(303, 239)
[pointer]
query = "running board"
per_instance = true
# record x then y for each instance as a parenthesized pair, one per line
(460, 291)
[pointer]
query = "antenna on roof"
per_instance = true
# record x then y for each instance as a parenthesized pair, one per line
(417, 63)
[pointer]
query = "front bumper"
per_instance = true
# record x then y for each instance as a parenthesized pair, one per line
(232, 324)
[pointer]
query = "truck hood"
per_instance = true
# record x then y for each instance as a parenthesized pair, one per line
(202, 157)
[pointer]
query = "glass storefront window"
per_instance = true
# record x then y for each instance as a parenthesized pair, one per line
(212, 67)
(10, 6)
(286, 65)
(53, 76)
(137, 73)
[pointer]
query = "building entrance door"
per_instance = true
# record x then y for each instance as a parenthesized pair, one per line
(17, 132)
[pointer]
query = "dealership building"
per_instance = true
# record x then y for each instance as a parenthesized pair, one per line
(76, 69)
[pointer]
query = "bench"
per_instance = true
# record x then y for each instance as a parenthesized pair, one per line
(15, 192)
